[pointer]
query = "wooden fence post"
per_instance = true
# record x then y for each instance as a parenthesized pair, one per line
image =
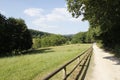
(78, 59)
(64, 73)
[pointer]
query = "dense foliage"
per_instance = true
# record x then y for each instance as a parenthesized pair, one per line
(86, 37)
(51, 40)
(79, 37)
(14, 36)
(101, 14)
(38, 34)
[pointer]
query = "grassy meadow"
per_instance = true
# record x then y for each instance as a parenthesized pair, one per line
(38, 63)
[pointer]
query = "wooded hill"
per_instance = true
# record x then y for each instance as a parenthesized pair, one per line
(36, 33)
(44, 39)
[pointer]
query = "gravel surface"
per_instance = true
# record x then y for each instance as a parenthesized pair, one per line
(104, 66)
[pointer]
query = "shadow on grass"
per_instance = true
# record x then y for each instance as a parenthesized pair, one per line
(39, 51)
(32, 51)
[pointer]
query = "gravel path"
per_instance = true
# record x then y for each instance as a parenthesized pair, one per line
(104, 66)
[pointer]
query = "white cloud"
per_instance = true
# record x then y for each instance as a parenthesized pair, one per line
(61, 14)
(57, 15)
(34, 11)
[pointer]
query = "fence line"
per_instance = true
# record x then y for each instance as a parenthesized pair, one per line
(83, 62)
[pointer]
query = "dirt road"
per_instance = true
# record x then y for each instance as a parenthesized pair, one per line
(104, 66)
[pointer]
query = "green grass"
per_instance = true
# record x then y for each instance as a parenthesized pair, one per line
(38, 63)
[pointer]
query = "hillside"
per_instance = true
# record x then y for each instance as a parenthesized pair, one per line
(36, 33)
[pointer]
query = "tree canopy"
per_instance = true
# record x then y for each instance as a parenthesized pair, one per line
(51, 40)
(103, 14)
(14, 35)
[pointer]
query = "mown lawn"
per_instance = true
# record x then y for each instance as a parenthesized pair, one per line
(38, 63)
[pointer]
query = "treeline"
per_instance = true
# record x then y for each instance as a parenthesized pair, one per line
(14, 36)
(81, 37)
(103, 15)
(44, 39)
(51, 40)
(85, 37)
(56, 40)
(38, 34)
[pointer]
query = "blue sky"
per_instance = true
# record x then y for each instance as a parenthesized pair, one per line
(44, 15)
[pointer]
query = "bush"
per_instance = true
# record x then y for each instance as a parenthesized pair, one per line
(36, 43)
(51, 40)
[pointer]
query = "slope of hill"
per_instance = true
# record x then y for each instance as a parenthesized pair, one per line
(36, 33)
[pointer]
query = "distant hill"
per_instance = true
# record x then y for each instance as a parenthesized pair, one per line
(69, 36)
(36, 33)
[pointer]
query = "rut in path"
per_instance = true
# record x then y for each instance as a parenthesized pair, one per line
(104, 66)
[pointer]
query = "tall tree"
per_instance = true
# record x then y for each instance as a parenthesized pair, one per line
(14, 35)
(21, 36)
(5, 35)
(104, 14)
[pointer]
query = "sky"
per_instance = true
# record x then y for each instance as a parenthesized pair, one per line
(44, 15)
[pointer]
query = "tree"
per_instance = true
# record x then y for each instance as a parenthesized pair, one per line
(14, 35)
(51, 40)
(104, 14)
(36, 42)
(21, 36)
(79, 37)
(5, 36)
(92, 34)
